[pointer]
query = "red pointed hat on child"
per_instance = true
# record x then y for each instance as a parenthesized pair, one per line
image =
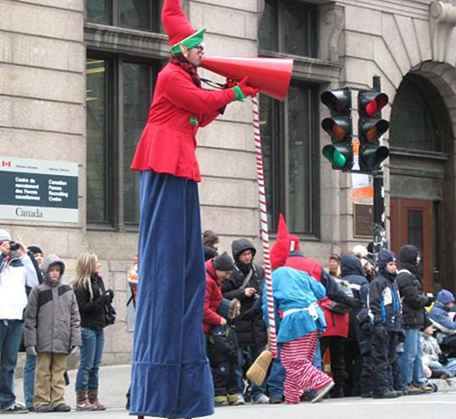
(281, 248)
(178, 28)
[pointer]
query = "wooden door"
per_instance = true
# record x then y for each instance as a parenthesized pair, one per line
(412, 223)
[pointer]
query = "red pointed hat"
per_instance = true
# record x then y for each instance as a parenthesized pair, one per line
(178, 28)
(281, 249)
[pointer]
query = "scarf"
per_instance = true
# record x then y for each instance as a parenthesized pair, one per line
(182, 62)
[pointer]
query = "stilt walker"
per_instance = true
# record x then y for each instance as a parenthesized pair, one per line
(171, 377)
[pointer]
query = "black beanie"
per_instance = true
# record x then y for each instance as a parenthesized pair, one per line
(224, 262)
(408, 254)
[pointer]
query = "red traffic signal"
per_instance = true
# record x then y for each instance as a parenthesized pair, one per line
(370, 103)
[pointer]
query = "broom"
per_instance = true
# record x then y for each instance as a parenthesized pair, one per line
(259, 369)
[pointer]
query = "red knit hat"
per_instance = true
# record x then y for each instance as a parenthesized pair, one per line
(178, 28)
(281, 249)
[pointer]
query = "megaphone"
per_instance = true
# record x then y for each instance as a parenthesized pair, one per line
(271, 76)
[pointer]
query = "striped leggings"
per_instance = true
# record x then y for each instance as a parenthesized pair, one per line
(300, 374)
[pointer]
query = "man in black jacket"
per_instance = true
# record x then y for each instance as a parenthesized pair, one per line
(245, 284)
(413, 317)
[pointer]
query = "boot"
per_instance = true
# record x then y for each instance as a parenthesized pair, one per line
(93, 400)
(82, 402)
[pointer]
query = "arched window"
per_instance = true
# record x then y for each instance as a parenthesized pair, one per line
(419, 118)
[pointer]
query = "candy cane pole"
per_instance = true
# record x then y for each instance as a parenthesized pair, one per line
(264, 226)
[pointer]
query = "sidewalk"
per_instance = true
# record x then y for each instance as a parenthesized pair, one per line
(115, 380)
(114, 383)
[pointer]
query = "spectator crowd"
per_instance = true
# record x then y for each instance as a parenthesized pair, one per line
(361, 327)
(49, 319)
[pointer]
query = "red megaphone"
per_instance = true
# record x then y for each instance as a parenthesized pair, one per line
(271, 76)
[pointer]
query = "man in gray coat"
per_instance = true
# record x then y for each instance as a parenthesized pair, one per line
(52, 330)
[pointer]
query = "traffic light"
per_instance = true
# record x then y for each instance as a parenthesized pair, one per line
(371, 127)
(339, 127)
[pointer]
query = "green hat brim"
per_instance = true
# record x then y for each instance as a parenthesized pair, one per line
(191, 41)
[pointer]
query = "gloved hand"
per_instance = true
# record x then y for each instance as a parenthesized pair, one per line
(246, 89)
(243, 90)
(31, 350)
(74, 349)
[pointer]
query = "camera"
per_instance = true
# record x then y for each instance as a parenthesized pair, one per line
(14, 247)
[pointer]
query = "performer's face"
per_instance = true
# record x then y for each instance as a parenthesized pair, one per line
(195, 55)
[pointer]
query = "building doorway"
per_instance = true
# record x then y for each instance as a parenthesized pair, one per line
(422, 180)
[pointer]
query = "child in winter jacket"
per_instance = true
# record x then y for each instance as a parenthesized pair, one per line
(222, 346)
(296, 297)
(385, 308)
(52, 330)
(435, 365)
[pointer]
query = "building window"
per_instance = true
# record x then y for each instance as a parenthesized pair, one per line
(290, 138)
(289, 27)
(419, 117)
(118, 98)
(290, 130)
(134, 14)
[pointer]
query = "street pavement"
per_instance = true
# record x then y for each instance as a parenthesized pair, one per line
(115, 381)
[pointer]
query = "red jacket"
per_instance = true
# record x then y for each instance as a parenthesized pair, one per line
(179, 107)
(337, 324)
(212, 299)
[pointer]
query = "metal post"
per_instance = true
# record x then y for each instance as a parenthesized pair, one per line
(379, 231)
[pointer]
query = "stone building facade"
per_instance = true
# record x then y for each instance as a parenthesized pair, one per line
(75, 82)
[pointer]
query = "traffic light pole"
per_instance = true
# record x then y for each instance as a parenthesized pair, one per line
(379, 231)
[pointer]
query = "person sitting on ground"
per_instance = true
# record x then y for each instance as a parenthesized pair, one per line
(52, 331)
(222, 347)
(441, 312)
(435, 363)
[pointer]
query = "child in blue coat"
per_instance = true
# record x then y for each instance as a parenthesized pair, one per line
(296, 297)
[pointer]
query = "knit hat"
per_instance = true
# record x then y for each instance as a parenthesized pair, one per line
(281, 248)
(179, 30)
(4, 236)
(224, 262)
(34, 249)
(408, 254)
(384, 257)
(445, 297)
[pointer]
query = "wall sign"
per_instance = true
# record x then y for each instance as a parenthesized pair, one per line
(39, 190)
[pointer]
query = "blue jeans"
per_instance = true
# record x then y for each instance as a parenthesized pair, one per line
(91, 353)
(410, 362)
(29, 379)
(277, 373)
(10, 340)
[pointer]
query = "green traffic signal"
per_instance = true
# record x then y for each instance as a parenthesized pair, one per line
(339, 127)
(337, 158)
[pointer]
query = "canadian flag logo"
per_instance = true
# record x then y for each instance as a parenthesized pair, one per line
(6, 163)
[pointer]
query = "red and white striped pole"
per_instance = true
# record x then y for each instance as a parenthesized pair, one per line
(264, 226)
